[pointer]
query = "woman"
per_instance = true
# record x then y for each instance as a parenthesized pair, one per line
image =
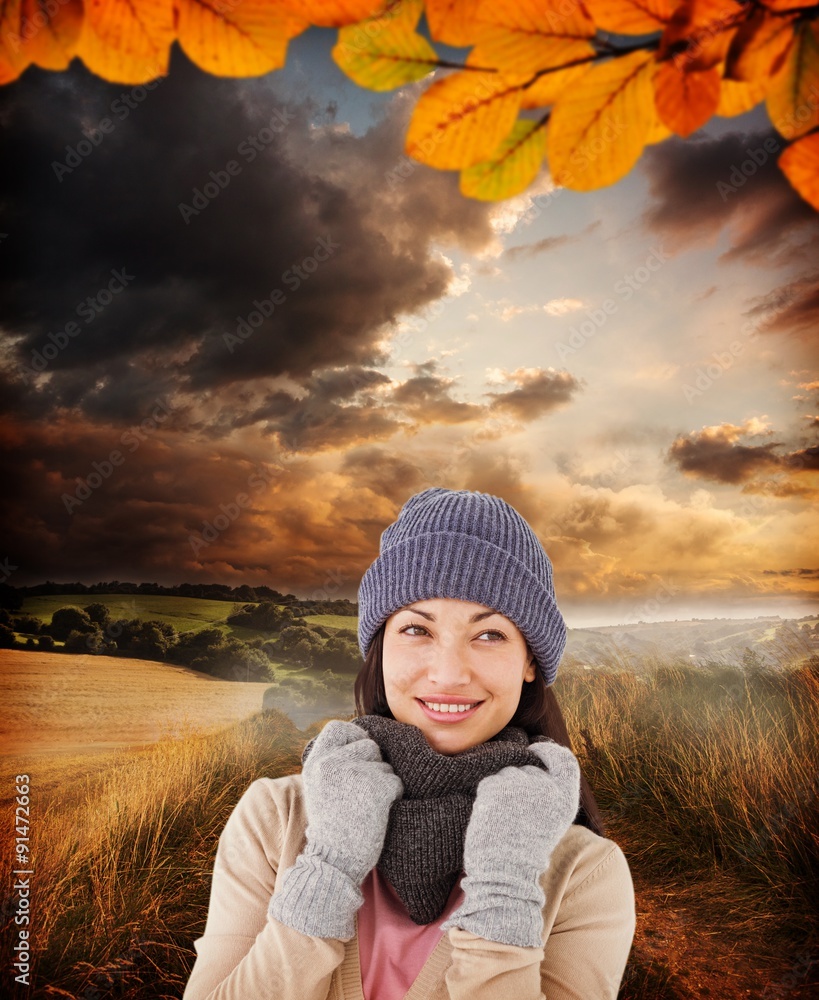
(443, 845)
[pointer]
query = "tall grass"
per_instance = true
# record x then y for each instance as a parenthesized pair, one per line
(707, 771)
(123, 861)
(699, 773)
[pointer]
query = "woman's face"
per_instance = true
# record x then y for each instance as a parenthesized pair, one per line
(442, 653)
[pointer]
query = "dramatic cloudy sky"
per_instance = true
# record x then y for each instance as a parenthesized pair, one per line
(634, 369)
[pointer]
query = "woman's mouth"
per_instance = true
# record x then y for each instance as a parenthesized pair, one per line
(448, 711)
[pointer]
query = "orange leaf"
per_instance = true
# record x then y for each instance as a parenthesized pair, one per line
(781, 5)
(452, 21)
(462, 119)
(700, 31)
(759, 47)
(14, 55)
(332, 14)
(793, 97)
(631, 17)
(246, 38)
(549, 86)
(126, 42)
(599, 126)
(800, 164)
(529, 35)
(685, 100)
(44, 34)
(736, 96)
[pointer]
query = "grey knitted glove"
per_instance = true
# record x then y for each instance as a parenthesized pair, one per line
(519, 815)
(348, 792)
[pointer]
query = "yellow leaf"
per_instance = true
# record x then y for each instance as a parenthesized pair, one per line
(127, 42)
(793, 96)
(631, 17)
(236, 37)
(738, 96)
(548, 87)
(685, 100)
(452, 21)
(759, 47)
(386, 52)
(530, 35)
(800, 164)
(511, 168)
(462, 119)
(599, 126)
(332, 14)
(44, 34)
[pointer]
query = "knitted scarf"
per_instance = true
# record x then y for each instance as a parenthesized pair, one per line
(423, 851)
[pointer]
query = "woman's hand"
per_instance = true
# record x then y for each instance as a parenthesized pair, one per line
(348, 792)
(519, 815)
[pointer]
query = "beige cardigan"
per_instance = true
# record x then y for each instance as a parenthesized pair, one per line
(589, 921)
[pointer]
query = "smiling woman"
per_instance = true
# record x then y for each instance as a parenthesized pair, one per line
(444, 842)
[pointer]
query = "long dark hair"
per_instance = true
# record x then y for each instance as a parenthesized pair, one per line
(538, 713)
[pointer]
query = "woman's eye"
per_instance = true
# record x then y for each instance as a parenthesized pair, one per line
(408, 628)
(493, 634)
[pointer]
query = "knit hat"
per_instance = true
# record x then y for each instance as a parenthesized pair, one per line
(472, 546)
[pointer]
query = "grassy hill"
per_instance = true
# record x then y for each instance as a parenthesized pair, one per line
(186, 614)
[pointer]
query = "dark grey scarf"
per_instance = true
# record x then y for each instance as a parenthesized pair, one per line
(423, 851)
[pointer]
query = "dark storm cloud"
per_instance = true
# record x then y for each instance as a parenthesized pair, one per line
(699, 185)
(336, 411)
(386, 474)
(539, 391)
(716, 453)
(310, 232)
(792, 307)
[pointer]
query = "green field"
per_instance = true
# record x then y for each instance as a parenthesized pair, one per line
(186, 614)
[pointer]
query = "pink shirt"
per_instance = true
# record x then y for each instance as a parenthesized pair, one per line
(392, 948)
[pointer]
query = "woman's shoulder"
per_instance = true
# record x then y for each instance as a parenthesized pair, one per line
(269, 802)
(584, 860)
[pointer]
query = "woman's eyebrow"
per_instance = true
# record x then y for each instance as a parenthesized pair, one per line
(475, 618)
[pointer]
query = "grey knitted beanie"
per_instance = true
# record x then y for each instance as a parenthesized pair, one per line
(472, 546)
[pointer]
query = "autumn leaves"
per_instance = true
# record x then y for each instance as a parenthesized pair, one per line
(583, 85)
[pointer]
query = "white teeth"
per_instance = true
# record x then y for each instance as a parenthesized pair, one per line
(449, 708)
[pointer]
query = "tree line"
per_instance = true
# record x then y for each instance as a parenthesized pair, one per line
(290, 640)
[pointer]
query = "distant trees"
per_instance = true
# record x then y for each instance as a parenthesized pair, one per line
(92, 631)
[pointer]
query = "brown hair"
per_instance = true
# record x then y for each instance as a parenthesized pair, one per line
(538, 713)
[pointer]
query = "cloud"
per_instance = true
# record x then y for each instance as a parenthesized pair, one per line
(298, 257)
(506, 310)
(527, 250)
(538, 391)
(718, 454)
(698, 189)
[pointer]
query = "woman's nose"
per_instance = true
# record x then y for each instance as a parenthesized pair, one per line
(448, 668)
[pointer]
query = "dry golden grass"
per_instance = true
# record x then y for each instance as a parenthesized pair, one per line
(707, 779)
(64, 716)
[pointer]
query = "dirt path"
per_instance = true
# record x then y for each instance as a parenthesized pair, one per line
(690, 943)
